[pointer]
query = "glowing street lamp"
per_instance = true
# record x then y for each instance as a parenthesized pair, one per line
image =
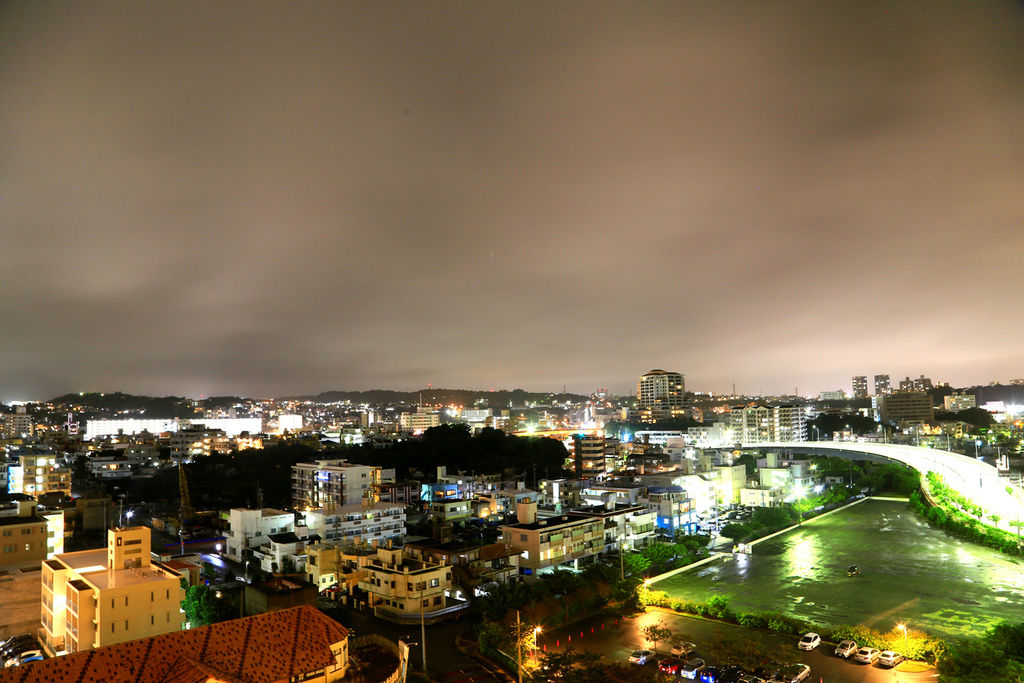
(903, 627)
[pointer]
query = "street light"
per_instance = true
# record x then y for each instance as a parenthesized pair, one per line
(903, 627)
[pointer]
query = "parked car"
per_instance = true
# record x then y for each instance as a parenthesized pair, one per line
(852, 570)
(17, 644)
(670, 665)
(30, 656)
(867, 655)
(889, 658)
(750, 678)
(732, 674)
(640, 656)
(809, 641)
(792, 673)
(691, 668)
(846, 648)
(711, 674)
(683, 649)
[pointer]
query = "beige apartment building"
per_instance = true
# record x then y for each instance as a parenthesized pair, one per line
(23, 537)
(544, 544)
(94, 598)
(38, 473)
(402, 588)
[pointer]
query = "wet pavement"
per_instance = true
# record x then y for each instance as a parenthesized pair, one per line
(909, 573)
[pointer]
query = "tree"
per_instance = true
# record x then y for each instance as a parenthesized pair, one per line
(656, 633)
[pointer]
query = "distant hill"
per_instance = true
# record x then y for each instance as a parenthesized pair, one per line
(463, 397)
(162, 407)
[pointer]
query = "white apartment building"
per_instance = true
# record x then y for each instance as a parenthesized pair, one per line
(957, 402)
(232, 426)
(369, 522)
(327, 483)
(252, 528)
(766, 424)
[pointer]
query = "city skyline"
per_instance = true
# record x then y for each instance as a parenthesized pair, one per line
(289, 200)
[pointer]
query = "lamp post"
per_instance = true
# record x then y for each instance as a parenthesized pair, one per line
(903, 627)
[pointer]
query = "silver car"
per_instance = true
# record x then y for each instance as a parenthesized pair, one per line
(889, 658)
(867, 655)
(846, 648)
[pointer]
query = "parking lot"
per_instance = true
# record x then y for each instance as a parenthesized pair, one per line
(909, 573)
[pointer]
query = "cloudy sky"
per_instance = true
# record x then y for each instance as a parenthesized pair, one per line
(270, 197)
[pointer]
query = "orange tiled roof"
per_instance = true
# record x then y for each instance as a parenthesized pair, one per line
(258, 649)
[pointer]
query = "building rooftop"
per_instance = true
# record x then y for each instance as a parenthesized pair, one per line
(550, 522)
(11, 520)
(277, 646)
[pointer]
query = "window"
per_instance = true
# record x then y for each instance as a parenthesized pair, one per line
(434, 583)
(152, 620)
(437, 600)
(426, 603)
(111, 627)
(152, 596)
(522, 538)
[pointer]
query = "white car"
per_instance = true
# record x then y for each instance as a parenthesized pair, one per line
(692, 668)
(889, 658)
(809, 641)
(867, 655)
(640, 656)
(683, 649)
(846, 648)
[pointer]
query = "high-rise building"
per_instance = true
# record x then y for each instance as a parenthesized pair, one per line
(860, 386)
(660, 390)
(765, 424)
(93, 598)
(958, 402)
(589, 455)
(922, 383)
(882, 386)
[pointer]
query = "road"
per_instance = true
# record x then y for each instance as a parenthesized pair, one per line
(616, 640)
(978, 481)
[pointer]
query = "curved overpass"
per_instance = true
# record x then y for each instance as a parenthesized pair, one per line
(977, 481)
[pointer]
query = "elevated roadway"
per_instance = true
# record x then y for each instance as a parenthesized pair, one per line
(976, 480)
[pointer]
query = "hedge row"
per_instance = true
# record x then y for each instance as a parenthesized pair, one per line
(955, 522)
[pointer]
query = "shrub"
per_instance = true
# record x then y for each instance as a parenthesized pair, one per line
(751, 620)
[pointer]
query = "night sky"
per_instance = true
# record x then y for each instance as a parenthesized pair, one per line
(279, 198)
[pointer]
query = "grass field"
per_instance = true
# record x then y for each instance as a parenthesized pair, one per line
(910, 573)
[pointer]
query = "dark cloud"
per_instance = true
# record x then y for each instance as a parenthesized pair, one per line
(270, 198)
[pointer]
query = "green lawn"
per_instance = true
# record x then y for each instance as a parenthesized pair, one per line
(909, 573)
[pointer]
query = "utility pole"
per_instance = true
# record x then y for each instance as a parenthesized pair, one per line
(423, 628)
(519, 650)
(622, 571)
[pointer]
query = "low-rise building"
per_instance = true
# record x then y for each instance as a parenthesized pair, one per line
(365, 522)
(93, 598)
(251, 528)
(23, 536)
(402, 588)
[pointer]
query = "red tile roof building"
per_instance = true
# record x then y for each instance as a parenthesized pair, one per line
(294, 644)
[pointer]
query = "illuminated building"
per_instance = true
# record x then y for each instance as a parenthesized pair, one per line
(331, 482)
(904, 407)
(17, 424)
(764, 424)
(93, 598)
(860, 386)
(659, 395)
(38, 474)
(232, 426)
(882, 385)
(958, 402)
(589, 456)
(402, 587)
(252, 528)
(367, 521)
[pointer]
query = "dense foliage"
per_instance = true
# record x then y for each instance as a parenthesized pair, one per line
(996, 656)
(489, 452)
(958, 516)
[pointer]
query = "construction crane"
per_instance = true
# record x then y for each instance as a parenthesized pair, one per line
(185, 510)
